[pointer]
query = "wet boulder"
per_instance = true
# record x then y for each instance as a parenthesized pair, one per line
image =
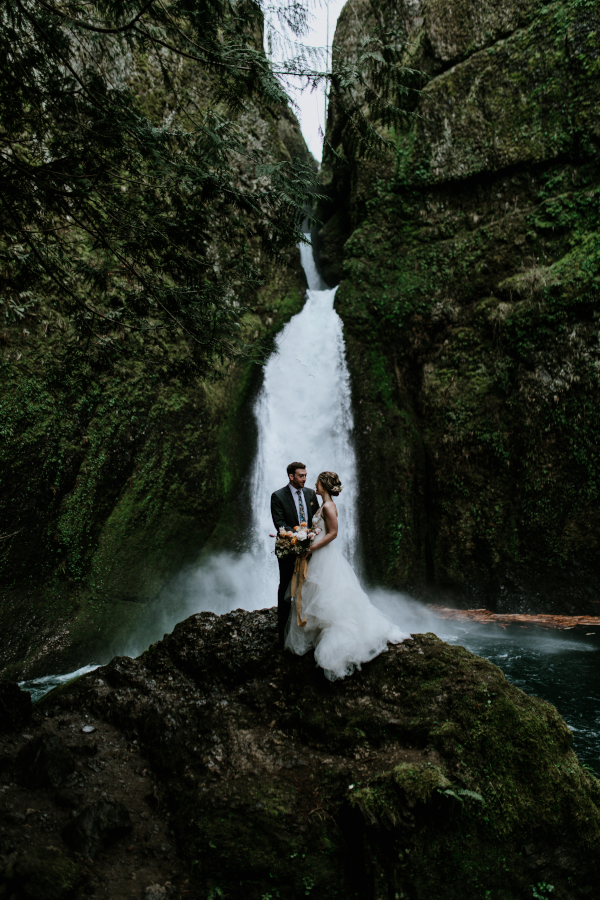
(98, 825)
(423, 775)
(44, 762)
(15, 707)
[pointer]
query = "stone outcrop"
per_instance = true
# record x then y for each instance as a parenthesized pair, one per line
(246, 774)
(469, 297)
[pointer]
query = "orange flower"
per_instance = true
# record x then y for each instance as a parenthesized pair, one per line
(303, 524)
(294, 540)
(296, 527)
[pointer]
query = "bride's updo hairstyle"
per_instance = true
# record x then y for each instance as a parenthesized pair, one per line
(331, 483)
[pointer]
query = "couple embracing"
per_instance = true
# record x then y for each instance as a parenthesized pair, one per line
(342, 626)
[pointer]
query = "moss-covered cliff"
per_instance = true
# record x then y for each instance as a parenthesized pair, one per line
(113, 477)
(470, 296)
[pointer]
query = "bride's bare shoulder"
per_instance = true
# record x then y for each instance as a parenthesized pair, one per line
(329, 507)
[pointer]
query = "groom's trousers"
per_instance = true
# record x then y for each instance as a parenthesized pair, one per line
(286, 570)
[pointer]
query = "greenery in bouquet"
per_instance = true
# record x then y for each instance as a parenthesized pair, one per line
(297, 541)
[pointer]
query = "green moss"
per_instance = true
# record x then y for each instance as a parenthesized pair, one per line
(426, 774)
(114, 476)
(507, 104)
(481, 789)
(469, 302)
(506, 376)
(485, 782)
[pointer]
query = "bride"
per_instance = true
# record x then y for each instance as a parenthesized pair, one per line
(342, 625)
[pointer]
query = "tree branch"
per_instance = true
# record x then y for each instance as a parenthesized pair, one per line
(95, 28)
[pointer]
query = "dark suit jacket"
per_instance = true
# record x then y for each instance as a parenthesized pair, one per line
(283, 508)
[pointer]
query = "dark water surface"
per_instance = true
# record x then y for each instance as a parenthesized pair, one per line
(562, 667)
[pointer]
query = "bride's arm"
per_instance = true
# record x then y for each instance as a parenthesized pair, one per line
(328, 511)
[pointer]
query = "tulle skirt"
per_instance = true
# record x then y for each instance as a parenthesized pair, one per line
(342, 625)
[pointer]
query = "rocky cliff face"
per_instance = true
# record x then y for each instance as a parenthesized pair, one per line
(111, 480)
(214, 766)
(470, 296)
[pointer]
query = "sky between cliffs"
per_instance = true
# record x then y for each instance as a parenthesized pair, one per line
(310, 104)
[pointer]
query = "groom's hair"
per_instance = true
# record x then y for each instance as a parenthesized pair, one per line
(293, 466)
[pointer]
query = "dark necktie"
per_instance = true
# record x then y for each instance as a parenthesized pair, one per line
(301, 505)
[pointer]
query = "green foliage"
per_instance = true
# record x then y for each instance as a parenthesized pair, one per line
(542, 890)
(378, 81)
(214, 893)
(138, 203)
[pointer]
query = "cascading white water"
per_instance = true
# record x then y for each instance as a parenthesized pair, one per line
(304, 412)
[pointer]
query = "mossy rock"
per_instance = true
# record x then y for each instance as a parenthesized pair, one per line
(470, 303)
(424, 775)
(114, 475)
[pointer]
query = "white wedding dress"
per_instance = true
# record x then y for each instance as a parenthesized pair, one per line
(342, 625)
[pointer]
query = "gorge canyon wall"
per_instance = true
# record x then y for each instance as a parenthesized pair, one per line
(469, 294)
(113, 479)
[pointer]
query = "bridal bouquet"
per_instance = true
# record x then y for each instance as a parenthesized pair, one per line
(297, 541)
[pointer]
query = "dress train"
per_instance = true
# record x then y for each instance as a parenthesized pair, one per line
(342, 625)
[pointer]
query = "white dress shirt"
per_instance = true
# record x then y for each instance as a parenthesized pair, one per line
(297, 504)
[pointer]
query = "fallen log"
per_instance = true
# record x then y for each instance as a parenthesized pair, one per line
(485, 617)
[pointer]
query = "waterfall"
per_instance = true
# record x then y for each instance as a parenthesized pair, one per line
(303, 413)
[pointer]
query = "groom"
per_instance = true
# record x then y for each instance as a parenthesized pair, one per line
(290, 506)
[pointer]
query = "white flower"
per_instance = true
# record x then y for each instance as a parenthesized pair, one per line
(318, 531)
(282, 530)
(301, 535)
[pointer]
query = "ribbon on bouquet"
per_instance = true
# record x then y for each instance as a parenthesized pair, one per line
(300, 570)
